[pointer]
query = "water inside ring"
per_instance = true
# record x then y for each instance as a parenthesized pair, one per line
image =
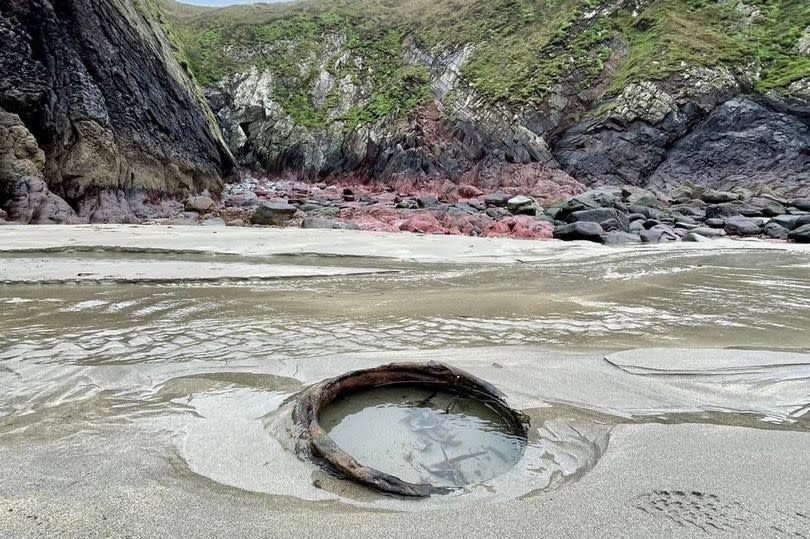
(423, 435)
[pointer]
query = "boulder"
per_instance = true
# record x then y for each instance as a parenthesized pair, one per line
(775, 231)
(422, 223)
(649, 213)
(713, 196)
(427, 202)
(497, 199)
(636, 196)
(201, 203)
(599, 215)
(213, 221)
(273, 213)
(767, 206)
(801, 204)
(580, 230)
(801, 234)
(617, 237)
(469, 191)
(658, 234)
(318, 222)
(716, 222)
(743, 226)
(791, 221)
(523, 205)
(709, 232)
(595, 198)
(695, 237)
(726, 209)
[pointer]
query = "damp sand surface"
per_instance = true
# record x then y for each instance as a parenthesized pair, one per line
(668, 388)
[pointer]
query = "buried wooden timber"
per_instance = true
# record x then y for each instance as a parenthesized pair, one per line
(314, 443)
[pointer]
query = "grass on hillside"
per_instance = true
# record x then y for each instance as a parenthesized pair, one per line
(522, 47)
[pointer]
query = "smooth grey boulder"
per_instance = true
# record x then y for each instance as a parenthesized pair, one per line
(709, 232)
(716, 222)
(617, 237)
(767, 206)
(775, 231)
(599, 215)
(801, 204)
(581, 230)
(695, 237)
(273, 213)
(713, 196)
(658, 234)
(791, 221)
(801, 234)
(743, 226)
(730, 209)
(497, 199)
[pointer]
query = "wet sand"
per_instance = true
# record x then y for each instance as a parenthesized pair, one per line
(668, 387)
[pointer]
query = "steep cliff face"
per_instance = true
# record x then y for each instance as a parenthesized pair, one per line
(98, 86)
(545, 96)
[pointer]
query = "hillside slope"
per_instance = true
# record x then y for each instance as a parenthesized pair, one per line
(539, 96)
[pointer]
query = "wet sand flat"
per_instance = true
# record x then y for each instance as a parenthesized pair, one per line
(668, 388)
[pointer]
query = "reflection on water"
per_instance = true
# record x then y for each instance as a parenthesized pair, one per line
(423, 436)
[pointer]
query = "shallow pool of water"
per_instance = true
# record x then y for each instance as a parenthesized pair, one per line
(424, 436)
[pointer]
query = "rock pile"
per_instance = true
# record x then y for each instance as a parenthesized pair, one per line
(608, 215)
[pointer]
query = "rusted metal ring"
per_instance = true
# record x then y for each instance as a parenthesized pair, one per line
(313, 442)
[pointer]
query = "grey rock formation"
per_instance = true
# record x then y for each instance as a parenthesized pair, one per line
(97, 84)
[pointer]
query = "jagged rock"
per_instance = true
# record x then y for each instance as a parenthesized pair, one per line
(743, 226)
(523, 205)
(273, 213)
(801, 234)
(634, 196)
(34, 203)
(98, 82)
(580, 230)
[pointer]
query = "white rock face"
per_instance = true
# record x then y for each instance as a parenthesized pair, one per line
(803, 46)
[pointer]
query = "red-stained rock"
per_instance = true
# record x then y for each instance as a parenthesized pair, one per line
(520, 226)
(469, 191)
(424, 223)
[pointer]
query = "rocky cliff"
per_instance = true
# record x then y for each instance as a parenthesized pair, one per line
(98, 120)
(544, 98)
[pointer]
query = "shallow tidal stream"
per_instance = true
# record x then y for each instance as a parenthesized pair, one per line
(187, 385)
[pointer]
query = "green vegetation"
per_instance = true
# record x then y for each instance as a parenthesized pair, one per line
(522, 48)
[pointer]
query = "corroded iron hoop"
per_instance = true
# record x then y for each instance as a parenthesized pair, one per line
(313, 442)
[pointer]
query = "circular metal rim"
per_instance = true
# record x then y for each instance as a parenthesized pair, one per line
(313, 442)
